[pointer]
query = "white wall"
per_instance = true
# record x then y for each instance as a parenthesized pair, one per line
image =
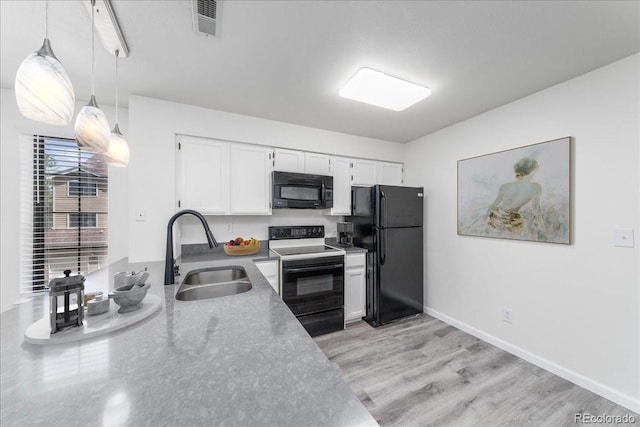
(154, 125)
(254, 225)
(575, 307)
(12, 125)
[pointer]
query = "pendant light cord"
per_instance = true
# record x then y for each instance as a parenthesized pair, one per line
(46, 19)
(93, 47)
(117, 54)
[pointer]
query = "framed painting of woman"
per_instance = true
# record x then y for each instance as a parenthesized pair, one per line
(522, 193)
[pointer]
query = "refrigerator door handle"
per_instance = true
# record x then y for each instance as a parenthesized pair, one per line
(383, 209)
(355, 197)
(383, 246)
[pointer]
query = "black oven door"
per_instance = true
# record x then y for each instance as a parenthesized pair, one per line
(313, 285)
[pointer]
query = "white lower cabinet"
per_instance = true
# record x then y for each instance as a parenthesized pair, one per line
(355, 282)
(270, 269)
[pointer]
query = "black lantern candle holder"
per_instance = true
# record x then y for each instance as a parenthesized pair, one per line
(62, 313)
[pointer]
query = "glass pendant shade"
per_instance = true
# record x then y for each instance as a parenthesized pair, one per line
(43, 90)
(118, 154)
(92, 128)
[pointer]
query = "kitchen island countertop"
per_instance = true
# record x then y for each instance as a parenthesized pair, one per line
(241, 360)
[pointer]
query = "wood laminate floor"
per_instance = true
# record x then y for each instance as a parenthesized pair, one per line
(423, 372)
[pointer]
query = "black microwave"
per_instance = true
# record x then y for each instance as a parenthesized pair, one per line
(302, 191)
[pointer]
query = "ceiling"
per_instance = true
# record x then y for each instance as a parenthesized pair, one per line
(286, 60)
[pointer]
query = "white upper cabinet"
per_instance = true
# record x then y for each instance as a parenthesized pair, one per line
(288, 160)
(218, 177)
(341, 168)
(202, 175)
(301, 162)
(317, 164)
(389, 173)
(348, 171)
(364, 172)
(250, 186)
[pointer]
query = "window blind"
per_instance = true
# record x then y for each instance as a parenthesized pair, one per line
(64, 211)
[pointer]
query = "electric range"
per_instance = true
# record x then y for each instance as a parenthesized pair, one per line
(311, 276)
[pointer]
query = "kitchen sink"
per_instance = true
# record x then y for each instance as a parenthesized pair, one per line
(212, 283)
(214, 275)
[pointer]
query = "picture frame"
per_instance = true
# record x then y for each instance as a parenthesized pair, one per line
(522, 193)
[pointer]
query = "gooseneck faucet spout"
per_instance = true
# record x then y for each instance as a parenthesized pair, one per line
(169, 272)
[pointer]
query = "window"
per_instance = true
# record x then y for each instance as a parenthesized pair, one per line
(83, 220)
(64, 199)
(82, 189)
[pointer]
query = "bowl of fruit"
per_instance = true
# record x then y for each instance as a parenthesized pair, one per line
(240, 246)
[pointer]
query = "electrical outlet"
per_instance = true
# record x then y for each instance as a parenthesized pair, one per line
(229, 227)
(507, 315)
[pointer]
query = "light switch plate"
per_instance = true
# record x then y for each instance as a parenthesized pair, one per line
(141, 215)
(623, 237)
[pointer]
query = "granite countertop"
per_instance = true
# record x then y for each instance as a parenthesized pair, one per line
(201, 251)
(332, 241)
(350, 249)
(241, 360)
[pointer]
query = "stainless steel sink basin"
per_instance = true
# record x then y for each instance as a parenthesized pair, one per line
(214, 275)
(212, 283)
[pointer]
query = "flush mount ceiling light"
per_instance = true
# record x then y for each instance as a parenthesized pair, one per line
(43, 90)
(92, 127)
(118, 153)
(382, 90)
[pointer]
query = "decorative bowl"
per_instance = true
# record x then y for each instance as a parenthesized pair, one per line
(242, 249)
(129, 297)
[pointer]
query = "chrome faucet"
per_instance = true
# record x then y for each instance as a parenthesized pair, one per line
(169, 262)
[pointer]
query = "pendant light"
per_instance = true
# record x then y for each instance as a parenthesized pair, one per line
(118, 154)
(43, 90)
(92, 127)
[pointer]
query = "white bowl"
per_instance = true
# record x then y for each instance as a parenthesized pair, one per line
(129, 297)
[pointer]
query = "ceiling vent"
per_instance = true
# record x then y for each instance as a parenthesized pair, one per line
(206, 16)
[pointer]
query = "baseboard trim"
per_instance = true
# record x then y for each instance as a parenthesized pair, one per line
(605, 391)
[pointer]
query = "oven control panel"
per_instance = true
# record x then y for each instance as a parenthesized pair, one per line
(296, 232)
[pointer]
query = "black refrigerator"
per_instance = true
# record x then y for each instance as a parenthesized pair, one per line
(388, 223)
